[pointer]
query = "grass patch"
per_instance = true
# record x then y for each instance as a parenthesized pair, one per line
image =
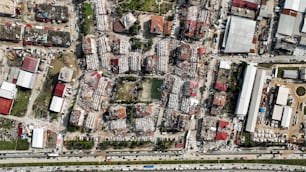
(304, 110)
(155, 89)
(300, 91)
(6, 123)
(13, 145)
(281, 70)
(22, 144)
(87, 15)
(139, 5)
(79, 144)
(7, 145)
(21, 102)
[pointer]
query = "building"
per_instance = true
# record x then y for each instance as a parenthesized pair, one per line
(56, 104)
(245, 94)
(26, 79)
(144, 126)
(248, 4)
(225, 65)
(222, 124)
(38, 138)
(162, 52)
(239, 35)
(65, 74)
(221, 136)
(173, 102)
(90, 121)
(303, 74)
(8, 90)
(8, 8)
(52, 13)
(143, 110)
(117, 112)
(30, 64)
(255, 100)
(13, 75)
(157, 24)
(277, 112)
(219, 99)
(291, 74)
(128, 20)
(6, 106)
(190, 88)
(59, 90)
(77, 117)
(10, 32)
(295, 5)
(282, 95)
(286, 117)
(289, 25)
(184, 52)
(89, 45)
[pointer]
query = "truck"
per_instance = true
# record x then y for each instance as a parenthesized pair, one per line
(148, 166)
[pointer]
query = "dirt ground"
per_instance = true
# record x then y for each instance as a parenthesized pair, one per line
(145, 94)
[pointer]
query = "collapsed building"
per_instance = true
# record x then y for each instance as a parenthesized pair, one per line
(46, 37)
(10, 32)
(51, 13)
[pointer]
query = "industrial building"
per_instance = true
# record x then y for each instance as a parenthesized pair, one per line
(56, 104)
(255, 100)
(277, 113)
(26, 79)
(245, 94)
(8, 93)
(39, 138)
(296, 5)
(30, 64)
(282, 95)
(291, 74)
(289, 25)
(287, 113)
(239, 35)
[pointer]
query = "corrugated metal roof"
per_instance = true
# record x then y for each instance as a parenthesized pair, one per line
(255, 100)
(38, 138)
(286, 117)
(239, 35)
(282, 95)
(56, 104)
(26, 79)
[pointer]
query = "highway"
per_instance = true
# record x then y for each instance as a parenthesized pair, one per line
(164, 167)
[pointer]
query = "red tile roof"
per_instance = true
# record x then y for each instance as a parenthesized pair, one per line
(190, 27)
(184, 52)
(157, 24)
(221, 136)
(219, 99)
(223, 124)
(59, 90)
(168, 27)
(194, 85)
(30, 64)
(245, 4)
(221, 87)
(5, 106)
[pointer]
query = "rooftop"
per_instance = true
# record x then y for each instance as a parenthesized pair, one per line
(7, 7)
(59, 90)
(65, 74)
(5, 106)
(30, 64)
(10, 32)
(157, 24)
(52, 12)
(221, 136)
(219, 99)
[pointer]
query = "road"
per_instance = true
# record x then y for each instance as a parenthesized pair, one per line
(166, 167)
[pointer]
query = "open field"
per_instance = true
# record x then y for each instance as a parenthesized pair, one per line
(155, 89)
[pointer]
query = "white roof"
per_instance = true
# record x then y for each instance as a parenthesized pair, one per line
(56, 104)
(255, 100)
(296, 5)
(245, 94)
(277, 112)
(239, 35)
(282, 95)
(8, 90)
(38, 138)
(286, 116)
(286, 25)
(26, 79)
(225, 65)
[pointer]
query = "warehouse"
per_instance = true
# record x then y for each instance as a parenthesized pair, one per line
(282, 95)
(238, 35)
(8, 90)
(38, 138)
(255, 100)
(296, 5)
(291, 74)
(26, 79)
(245, 94)
(286, 117)
(56, 104)
(289, 25)
(277, 112)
